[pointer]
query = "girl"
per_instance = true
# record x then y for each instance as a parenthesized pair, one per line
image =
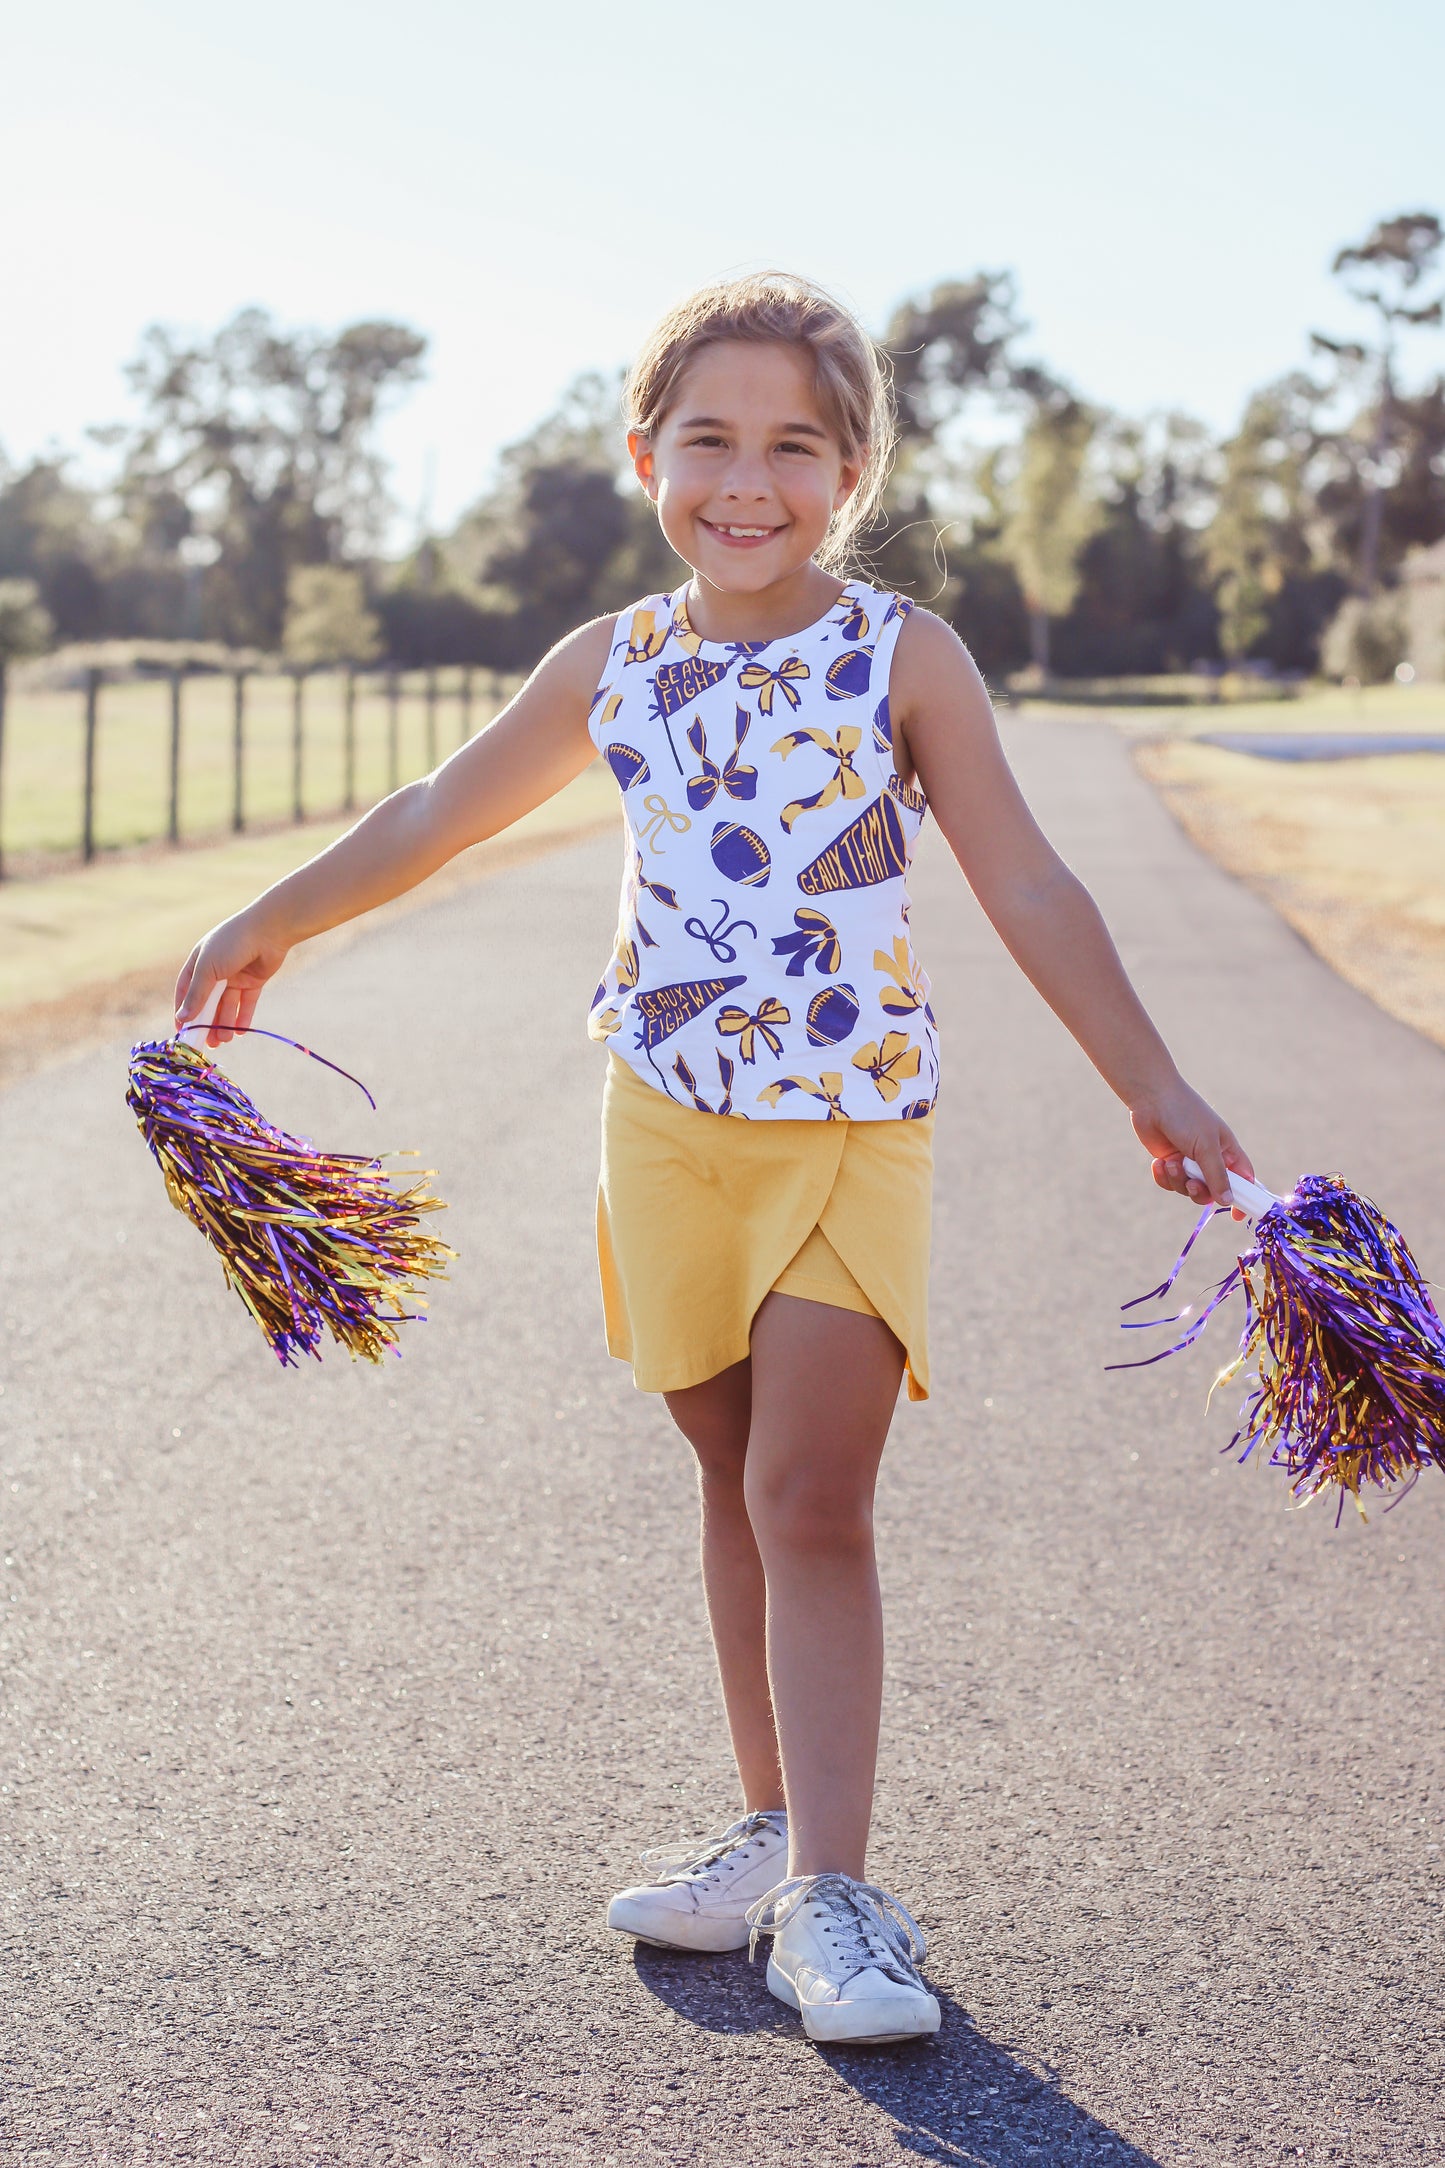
(777, 732)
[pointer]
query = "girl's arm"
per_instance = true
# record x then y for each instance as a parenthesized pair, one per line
(533, 749)
(1043, 913)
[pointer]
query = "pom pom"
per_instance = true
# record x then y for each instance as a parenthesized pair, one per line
(309, 1240)
(1348, 1347)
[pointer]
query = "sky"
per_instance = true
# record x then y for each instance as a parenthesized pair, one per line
(530, 185)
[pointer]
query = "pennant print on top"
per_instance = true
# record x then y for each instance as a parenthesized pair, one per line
(769, 836)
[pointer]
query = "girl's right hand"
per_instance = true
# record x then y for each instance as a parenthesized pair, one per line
(240, 954)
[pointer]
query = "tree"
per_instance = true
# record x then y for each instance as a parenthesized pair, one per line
(949, 343)
(938, 537)
(570, 520)
(1422, 593)
(564, 534)
(26, 627)
(262, 442)
(1413, 509)
(1052, 512)
(1366, 639)
(327, 620)
(1385, 272)
(49, 534)
(1261, 536)
(1143, 604)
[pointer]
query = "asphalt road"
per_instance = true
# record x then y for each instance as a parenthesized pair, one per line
(337, 1703)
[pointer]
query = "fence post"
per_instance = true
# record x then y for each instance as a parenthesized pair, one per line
(298, 739)
(92, 722)
(173, 816)
(393, 729)
(4, 694)
(431, 716)
(348, 800)
(238, 750)
(466, 702)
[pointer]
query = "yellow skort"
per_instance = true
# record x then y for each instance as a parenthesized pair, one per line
(700, 1216)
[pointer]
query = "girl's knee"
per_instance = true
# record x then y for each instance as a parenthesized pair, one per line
(714, 1420)
(721, 1463)
(809, 1510)
(720, 1446)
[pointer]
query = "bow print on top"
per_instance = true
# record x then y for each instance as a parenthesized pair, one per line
(633, 886)
(756, 677)
(768, 844)
(733, 777)
(852, 619)
(816, 938)
(845, 781)
(735, 1023)
(889, 1062)
(689, 1084)
(909, 990)
(645, 641)
(828, 1088)
(604, 1021)
(660, 819)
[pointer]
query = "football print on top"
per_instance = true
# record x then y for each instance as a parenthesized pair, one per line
(768, 832)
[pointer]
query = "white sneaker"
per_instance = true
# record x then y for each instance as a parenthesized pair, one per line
(845, 1955)
(698, 1899)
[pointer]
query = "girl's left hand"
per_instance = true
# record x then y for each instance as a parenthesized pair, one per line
(1179, 1125)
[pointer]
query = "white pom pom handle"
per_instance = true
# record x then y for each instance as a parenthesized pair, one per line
(1251, 1197)
(206, 1015)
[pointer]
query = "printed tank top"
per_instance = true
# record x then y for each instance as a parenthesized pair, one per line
(763, 965)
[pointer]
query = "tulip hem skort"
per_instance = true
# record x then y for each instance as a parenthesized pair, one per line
(700, 1216)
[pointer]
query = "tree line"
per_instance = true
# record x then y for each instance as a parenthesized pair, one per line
(248, 505)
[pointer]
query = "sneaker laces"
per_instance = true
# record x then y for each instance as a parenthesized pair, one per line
(865, 1927)
(704, 1858)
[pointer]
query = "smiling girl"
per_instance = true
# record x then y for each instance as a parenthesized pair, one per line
(777, 731)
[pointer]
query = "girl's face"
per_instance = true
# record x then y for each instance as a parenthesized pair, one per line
(743, 469)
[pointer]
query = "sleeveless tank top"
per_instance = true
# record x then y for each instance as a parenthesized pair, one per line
(763, 965)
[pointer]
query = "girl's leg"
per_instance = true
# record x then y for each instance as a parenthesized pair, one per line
(824, 1383)
(715, 1418)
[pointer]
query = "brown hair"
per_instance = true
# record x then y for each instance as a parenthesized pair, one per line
(850, 378)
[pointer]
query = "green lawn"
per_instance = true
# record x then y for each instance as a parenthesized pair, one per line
(40, 787)
(1316, 707)
(88, 927)
(42, 763)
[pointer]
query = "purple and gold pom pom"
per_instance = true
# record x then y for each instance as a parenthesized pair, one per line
(1347, 1346)
(311, 1241)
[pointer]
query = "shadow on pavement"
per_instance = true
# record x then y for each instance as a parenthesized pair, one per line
(718, 1994)
(959, 2099)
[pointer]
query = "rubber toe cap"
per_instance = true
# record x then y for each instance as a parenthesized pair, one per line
(873, 2008)
(668, 1916)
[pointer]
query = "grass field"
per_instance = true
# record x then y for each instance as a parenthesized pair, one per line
(90, 954)
(1350, 852)
(1318, 707)
(44, 754)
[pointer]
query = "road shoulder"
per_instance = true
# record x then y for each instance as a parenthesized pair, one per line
(1350, 853)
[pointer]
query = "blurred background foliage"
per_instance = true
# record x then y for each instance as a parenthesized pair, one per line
(1059, 538)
